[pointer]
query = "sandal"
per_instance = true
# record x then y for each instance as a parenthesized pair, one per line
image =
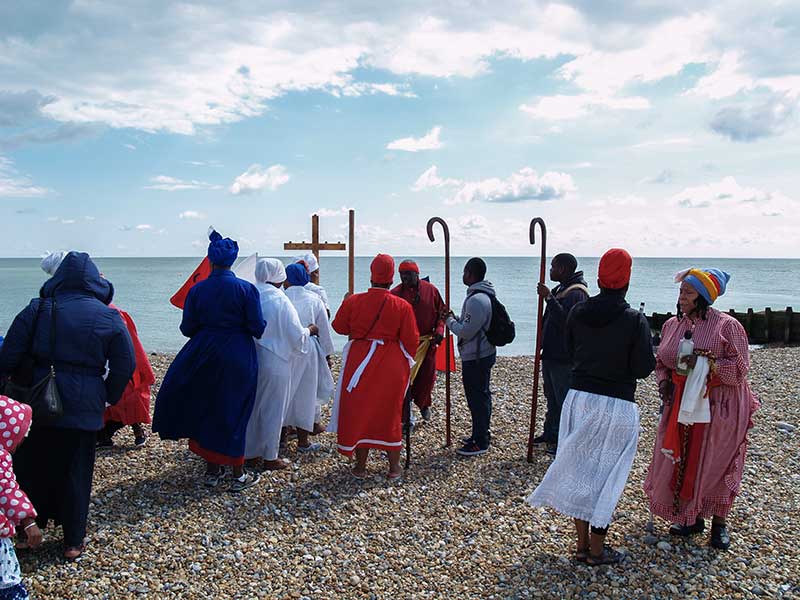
(609, 556)
(358, 474)
(276, 465)
(394, 476)
(581, 554)
(239, 485)
(74, 552)
(212, 480)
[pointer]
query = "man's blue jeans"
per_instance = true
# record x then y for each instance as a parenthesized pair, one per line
(476, 375)
(557, 380)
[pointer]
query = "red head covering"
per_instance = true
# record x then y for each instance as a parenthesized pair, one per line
(382, 269)
(614, 271)
(408, 265)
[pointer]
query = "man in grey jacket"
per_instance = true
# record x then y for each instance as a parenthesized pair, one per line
(477, 354)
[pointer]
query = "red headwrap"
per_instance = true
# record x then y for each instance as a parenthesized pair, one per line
(614, 271)
(382, 269)
(408, 265)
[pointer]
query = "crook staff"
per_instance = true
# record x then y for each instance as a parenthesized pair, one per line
(449, 358)
(539, 312)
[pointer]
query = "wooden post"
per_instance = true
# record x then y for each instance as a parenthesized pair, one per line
(315, 235)
(787, 327)
(767, 324)
(351, 250)
(748, 323)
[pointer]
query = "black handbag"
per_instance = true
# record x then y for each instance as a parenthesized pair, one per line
(42, 396)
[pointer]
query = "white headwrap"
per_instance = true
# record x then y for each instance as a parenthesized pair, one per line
(51, 262)
(270, 270)
(311, 263)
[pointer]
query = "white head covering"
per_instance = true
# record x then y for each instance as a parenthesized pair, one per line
(270, 270)
(51, 262)
(311, 262)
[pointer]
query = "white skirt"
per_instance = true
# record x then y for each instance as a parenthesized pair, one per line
(596, 447)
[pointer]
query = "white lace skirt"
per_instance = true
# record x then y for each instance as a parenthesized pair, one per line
(596, 447)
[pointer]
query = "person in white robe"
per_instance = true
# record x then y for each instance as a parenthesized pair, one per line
(312, 267)
(285, 342)
(314, 384)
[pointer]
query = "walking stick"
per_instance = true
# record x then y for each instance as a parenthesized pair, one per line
(448, 358)
(407, 425)
(537, 356)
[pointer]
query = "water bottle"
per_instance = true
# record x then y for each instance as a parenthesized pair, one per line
(641, 307)
(685, 348)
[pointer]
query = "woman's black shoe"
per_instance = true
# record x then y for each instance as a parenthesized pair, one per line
(720, 538)
(687, 530)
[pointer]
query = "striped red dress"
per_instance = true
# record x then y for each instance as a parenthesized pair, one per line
(720, 446)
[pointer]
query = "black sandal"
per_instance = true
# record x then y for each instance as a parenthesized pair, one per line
(720, 538)
(687, 530)
(608, 557)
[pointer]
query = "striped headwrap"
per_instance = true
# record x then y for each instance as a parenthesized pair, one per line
(709, 283)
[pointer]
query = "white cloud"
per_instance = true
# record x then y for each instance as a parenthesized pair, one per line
(630, 201)
(665, 176)
(676, 141)
(333, 212)
(143, 227)
(564, 107)
(525, 184)
(258, 178)
(430, 179)
(15, 185)
(729, 197)
(166, 183)
(748, 123)
(429, 141)
(130, 146)
(191, 214)
(67, 221)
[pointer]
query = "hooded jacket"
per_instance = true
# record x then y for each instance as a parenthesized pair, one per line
(88, 334)
(610, 345)
(471, 326)
(15, 421)
(554, 344)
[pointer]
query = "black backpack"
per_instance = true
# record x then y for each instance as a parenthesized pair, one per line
(501, 329)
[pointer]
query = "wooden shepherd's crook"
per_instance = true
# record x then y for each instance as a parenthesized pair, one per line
(446, 340)
(537, 360)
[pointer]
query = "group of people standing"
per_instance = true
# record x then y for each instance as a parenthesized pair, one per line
(595, 349)
(257, 366)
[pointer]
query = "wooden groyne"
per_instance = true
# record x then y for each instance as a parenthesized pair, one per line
(764, 327)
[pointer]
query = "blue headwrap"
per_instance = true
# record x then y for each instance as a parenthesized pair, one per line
(296, 274)
(222, 252)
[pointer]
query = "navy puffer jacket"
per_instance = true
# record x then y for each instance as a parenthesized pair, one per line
(88, 333)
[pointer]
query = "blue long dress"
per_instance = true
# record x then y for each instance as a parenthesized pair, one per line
(209, 390)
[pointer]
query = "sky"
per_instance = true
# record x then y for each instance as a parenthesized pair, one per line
(669, 128)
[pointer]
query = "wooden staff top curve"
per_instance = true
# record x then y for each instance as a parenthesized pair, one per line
(445, 229)
(541, 224)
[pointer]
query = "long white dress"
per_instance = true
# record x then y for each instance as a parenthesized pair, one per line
(313, 382)
(319, 291)
(284, 344)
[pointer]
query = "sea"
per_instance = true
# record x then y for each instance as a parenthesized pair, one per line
(144, 285)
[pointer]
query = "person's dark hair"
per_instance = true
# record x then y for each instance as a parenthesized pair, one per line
(567, 261)
(701, 304)
(617, 292)
(475, 266)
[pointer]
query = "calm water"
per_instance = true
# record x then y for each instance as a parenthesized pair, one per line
(144, 285)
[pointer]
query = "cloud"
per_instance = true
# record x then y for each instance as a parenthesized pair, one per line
(333, 212)
(129, 146)
(64, 132)
(18, 108)
(525, 184)
(191, 214)
(676, 141)
(430, 141)
(143, 227)
(725, 192)
(629, 201)
(67, 221)
(15, 185)
(171, 184)
(665, 176)
(258, 178)
(430, 179)
(563, 107)
(204, 163)
(750, 123)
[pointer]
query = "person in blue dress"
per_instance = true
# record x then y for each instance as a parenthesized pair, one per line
(209, 390)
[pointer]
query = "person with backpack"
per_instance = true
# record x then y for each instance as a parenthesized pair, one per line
(482, 326)
(556, 362)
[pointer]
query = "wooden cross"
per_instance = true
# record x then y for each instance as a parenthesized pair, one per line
(315, 246)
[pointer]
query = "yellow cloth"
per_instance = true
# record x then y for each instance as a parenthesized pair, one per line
(422, 350)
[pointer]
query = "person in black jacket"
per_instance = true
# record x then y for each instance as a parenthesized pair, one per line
(610, 346)
(556, 362)
(56, 464)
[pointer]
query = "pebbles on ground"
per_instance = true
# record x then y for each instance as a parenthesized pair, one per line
(452, 528)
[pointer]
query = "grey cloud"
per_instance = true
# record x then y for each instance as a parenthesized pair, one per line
(18, 108)
(750, 123)
(62, 133)
(663, 177)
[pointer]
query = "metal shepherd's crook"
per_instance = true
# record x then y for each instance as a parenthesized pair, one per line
(537, 359)
(446, 340)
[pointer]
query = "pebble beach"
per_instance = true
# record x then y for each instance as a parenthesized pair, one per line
(451, 528)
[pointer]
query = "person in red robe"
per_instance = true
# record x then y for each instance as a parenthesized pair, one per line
(376, 363)
(134, 407)
(429, 308)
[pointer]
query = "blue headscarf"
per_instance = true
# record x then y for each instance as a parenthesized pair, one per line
(296, 274)
(222, 252)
